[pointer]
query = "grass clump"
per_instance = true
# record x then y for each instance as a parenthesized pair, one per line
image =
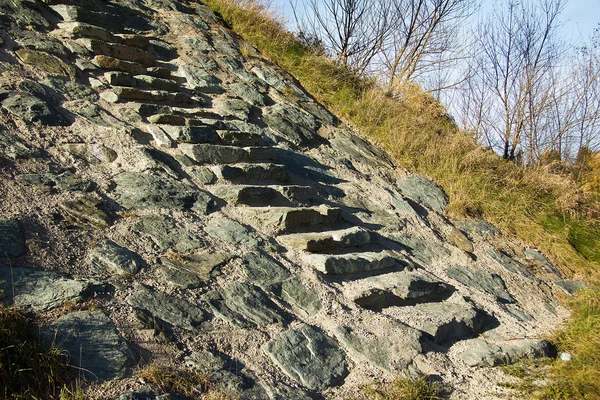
(580, 337)
(404, 389)
(186, 381)
(27, 369)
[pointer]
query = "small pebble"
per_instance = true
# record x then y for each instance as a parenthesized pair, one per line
(566, 357)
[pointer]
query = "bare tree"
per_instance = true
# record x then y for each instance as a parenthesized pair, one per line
(423, 38)
(352, 31)
(516, 55)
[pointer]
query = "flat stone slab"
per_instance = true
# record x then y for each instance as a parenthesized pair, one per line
(482, 353)
(170, 309)
(190, 271)
(232, 232)
(245, 306)
(252, 173)
(110, 258)
(92, 344)
(264, 271)
(218, 154)
(290, 218)
(39, 290)
(351, 263)
(448, 322)
(426, 251)
(85, 212)
(167, 235)
(12, 239)
(316, 242)
(424, 192)
(392, 351)
(396, 289)
(511, 265)
(295, 291)
(262, 196)
(482, 280)
(309, 357)
(570, 286)
(143, 191)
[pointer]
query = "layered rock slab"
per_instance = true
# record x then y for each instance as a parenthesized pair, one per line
(92, 343)
(309, 357)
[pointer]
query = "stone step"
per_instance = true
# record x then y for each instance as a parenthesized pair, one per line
(252, 173)
(214, 154)
(120, 94)
(77, 30)
(259, 196)
(284, 219)
(114, 64)
(316, 242)
(118, 50)
(167, 135)
(396, 289)
(116, 78)
(71, 13)
(353, 263)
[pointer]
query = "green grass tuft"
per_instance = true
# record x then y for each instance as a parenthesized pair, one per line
(27, 369)
(404, 389)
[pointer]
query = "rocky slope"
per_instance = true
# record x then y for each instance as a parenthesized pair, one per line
(170, 196)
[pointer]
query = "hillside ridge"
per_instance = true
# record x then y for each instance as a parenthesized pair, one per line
(172, 197)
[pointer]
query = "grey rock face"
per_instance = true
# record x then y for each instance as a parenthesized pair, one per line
(93, 344)
(31, 109)
(425, 251)
(424, 191)
(391, 352)
(482, 280)
(166, 235)
(245, 306)
(201, 80)
(481, 353)
(12, 147)
(477, 227)
(248, 94)
(39, 290)
(263, 270)
(570, 286)
(12, 240)
(359, 149)
(296, 292)
(142, 191)
(309, 357)
(511, 265)
(533, 254)
(109, 257)
(173, 310)
(232, 232)
(193, 270)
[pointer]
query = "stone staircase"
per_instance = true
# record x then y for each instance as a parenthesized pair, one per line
(240, 141)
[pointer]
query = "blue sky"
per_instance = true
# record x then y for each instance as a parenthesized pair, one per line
(580, 17)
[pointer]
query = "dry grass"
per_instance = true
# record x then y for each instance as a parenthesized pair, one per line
(404, 389)
(27, 369)
(183, 381)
